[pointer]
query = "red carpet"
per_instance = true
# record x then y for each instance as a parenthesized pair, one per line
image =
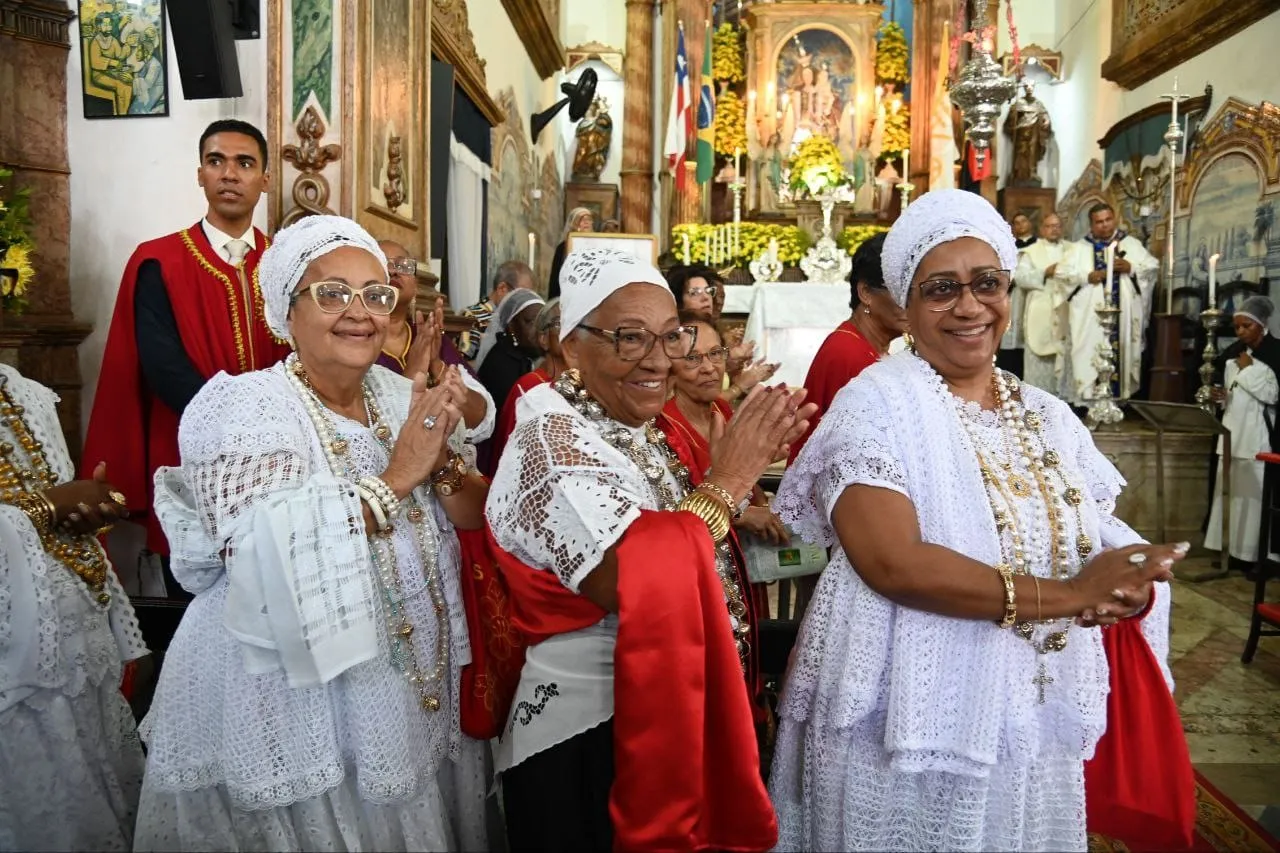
(1221, 827)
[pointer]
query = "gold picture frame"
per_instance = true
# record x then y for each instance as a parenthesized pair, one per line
(643, 247)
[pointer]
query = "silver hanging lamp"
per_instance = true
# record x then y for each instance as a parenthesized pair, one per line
(981, 90)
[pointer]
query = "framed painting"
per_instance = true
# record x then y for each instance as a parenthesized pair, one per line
(600, 199)
(124, 58)
(643, 247)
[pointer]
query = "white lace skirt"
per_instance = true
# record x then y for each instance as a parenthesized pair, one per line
(448, 813)
(70, 770)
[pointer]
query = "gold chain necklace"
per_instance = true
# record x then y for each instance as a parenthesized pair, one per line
(569, 385)
(80, 553)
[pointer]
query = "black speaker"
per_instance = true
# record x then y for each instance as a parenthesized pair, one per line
(204, 45)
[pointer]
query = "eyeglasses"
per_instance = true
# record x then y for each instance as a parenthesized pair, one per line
(709, 290)
(943, 294)
(635, 344)
(717, 356)
(402, 266)
(334, 297)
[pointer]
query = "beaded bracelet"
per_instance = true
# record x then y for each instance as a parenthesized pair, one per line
(722, 494)
(390, 503)
(1010, 597)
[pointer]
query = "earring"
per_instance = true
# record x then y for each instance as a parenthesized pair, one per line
(866, 310)
(910, 341)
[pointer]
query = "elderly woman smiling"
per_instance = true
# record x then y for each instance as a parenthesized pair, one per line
(621, 576)
(309, 699)
(948, 684)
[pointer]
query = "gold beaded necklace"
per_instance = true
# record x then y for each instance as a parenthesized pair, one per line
(30, 476)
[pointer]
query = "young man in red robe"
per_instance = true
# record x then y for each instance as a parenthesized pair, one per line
(188, 307)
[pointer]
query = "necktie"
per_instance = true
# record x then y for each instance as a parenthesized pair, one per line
(237, 249)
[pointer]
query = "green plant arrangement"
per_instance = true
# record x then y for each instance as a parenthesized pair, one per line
(854, 236)
(15, 247)
(727, 61)
(731, 124)
(753, 240)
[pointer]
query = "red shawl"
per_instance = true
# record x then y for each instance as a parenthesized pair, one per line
(507, 414)
(131, 430)
(843, 355)
(669, 621)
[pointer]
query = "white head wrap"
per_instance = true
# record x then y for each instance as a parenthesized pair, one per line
(939, 217)
(293, 250)
(1258, 309)
(515, 302)
(591, 276)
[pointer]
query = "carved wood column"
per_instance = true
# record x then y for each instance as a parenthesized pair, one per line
(42, 343)
(637, 154)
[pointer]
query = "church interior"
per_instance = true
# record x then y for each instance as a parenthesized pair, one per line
(765, 139)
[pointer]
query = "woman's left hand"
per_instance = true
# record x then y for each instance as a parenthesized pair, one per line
(1244, 359)
(424, 352)
(761, 521)
(1126, 604)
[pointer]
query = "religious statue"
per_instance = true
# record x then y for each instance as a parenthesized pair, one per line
(594, 134)
(768, 165)
(1029, 127)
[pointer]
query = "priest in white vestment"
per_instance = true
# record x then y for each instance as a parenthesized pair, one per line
(1249, 393)
(1132, 285)
(1048, 271)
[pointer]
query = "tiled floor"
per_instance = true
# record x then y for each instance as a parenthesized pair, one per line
(1230, 710)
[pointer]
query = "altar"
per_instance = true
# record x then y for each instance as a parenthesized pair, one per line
(789, 321)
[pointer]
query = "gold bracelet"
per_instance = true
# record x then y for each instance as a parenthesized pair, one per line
(39, 509)
(1010, 597)
(734, 392)
(450, 479)
(723, 494)
(710, 511)
(1039, 612)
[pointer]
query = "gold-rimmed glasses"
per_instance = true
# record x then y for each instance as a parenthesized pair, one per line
(334, 297)
(634, 343)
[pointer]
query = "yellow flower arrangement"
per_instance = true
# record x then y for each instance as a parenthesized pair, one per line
(816, 165)
(753, 241)
(727, 62)
(731, 124)
(891, 54)
(854, 236)
(15, 249)
(897, 126)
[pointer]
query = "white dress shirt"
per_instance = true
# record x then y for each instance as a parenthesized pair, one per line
(219, 240)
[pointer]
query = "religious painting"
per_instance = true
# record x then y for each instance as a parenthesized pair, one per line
(312, 26)
(815, 77)
(392, 142)
(508, 237)
(123, 58)
(1231, 219)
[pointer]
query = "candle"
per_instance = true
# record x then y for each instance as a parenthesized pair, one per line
(1111, 268)
(533, 249)
(688, 258)
(708, 247)
(1175, 99)
(773, 249)
(1213, 281)
(737, 163)
(906, 164)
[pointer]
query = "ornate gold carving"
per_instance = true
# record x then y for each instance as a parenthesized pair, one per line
(538, 25)
(393, 186)
(44, 21)
(1035, 55)
(309, 157)
(608, 54)
(453, 42)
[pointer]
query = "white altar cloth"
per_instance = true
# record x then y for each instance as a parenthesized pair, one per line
(789, 321)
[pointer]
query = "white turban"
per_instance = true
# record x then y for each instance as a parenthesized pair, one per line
(591, 276)
(293, 250)
(939, 217)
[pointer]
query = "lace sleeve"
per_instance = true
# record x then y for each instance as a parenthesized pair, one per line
(484, 429)
(855, 444)
(560, 498)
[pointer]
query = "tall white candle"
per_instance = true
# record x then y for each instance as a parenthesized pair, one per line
(708, 253)
(906, 164)
(1111, 269)
(533, 250)
(688, 256)
(1213, 281)
(773, 249)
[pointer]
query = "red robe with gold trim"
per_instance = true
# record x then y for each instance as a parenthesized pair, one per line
(222, 328)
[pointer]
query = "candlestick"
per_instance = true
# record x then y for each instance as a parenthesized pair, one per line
(533, 250)
(688, 257)
(1209, 319)
(1213, 280)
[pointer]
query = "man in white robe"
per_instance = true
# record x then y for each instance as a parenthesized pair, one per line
(1048, 271)
(1131, 289)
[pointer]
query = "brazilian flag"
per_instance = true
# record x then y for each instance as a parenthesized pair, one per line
(706, 118)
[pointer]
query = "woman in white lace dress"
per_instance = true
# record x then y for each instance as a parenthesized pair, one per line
(632, 726)
(70, 760)
(309, 700)
(948, 685)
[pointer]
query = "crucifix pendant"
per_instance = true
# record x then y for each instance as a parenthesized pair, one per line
(1042, 679)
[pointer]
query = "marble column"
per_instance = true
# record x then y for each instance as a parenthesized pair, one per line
(637, 154)
(34, 45)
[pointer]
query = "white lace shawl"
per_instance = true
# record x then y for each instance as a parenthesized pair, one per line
(942, 683)
(279, 677)
(53, 634)
(562, 495)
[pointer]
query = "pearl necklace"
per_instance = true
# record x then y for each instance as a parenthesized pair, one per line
(80, 553)
(653, 456)
(430, 688)
(1021, 428)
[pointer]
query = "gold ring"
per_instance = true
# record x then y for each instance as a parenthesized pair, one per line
(106, 528)
(118, 497)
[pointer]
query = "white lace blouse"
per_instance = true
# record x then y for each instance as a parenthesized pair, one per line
(280, 676)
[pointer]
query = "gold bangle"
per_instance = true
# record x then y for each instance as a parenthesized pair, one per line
(1010, 597)
(710, 511)
(723, 494)
(734, 391)
(450, 479)
(1039, 612)
(38, 509)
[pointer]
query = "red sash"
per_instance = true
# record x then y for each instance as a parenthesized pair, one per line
(131, 430)
(1139, 785)
(670, 622)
